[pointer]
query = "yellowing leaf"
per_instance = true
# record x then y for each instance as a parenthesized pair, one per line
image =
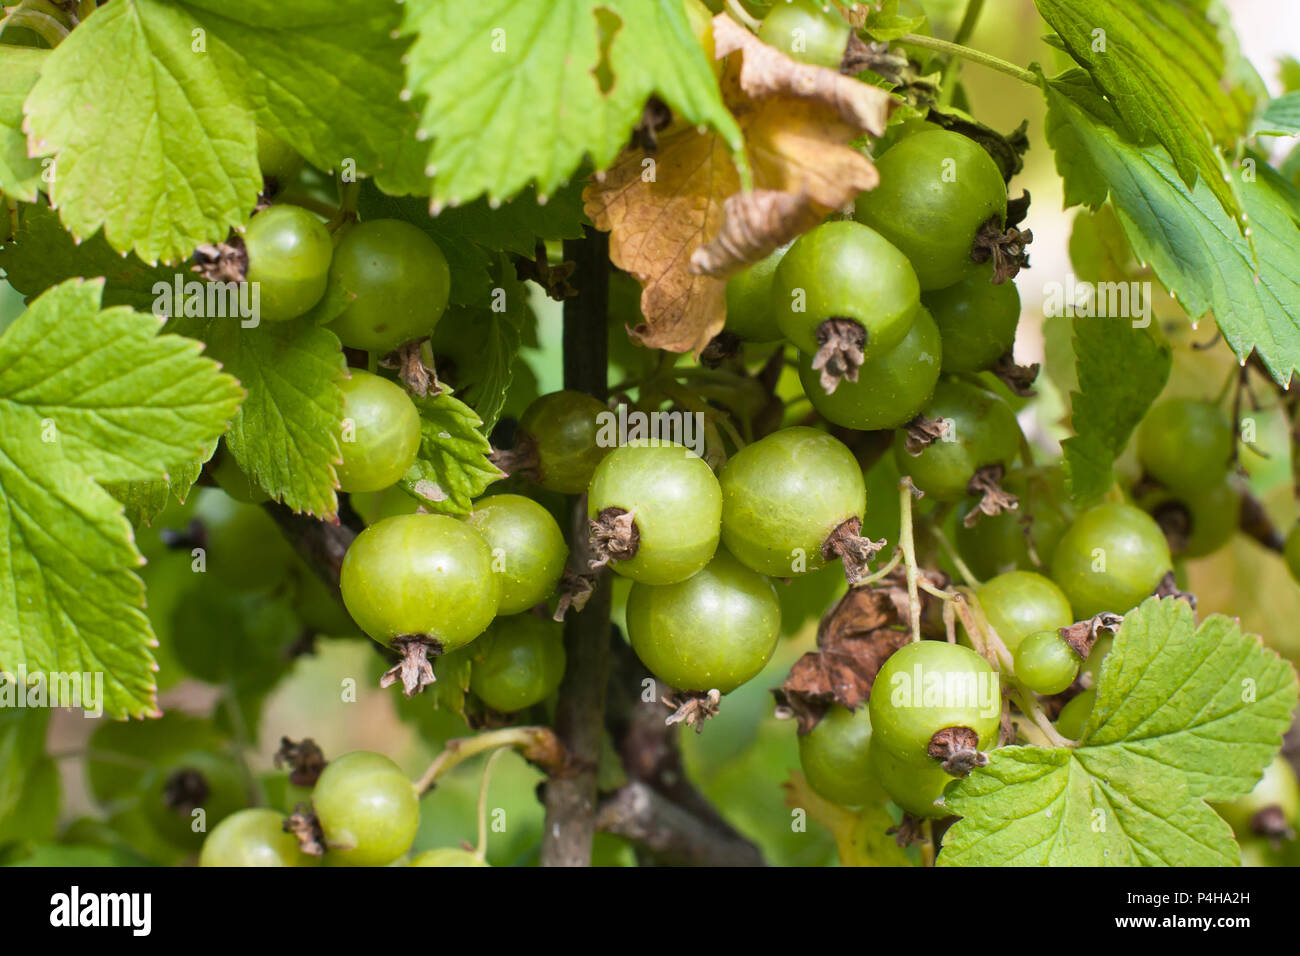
(677, 219)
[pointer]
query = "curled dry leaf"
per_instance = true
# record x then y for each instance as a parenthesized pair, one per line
(678, 220)
(853, 641)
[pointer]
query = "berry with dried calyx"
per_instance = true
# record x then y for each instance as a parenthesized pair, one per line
(655, 512)
(422, 585)
(843, 294)
(793, 501)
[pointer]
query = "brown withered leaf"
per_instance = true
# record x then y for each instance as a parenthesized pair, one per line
(655, 221)
(766, 71)
(682, 229)
(853, 641)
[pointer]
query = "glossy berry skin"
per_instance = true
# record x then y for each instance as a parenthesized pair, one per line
(1045, 663)
(1202, 520)
(982, 431)
(835, 756)
(447, 856)
(937, 188)
(976, 319)
(565, 428)
(1276, 788)
(400, 280)
(806, 31)
(890, 389)
(528, 549)
(367, 809)
(916, 788)
(243, 547)
(1185, 445)
(845, 270)
(750, 314)
(1021, 603)
(677, 506)
(253, 837)
(715, 630)
(220, 792)
(289, 252)
(782, 497)
(518, 662)
(381, 434)
(420, 574)
(1291, 552)
(926, 686)
(1074, 715)
(1112, 557)
(997, 544)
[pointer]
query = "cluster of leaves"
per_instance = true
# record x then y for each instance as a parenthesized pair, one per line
(108, 414)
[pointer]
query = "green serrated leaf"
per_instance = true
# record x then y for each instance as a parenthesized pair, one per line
(602, 60)
(119, 400)
(174, 129)
(20, 174)
(1121, 370)
(43, 254)
(1164, 66)
(452, 468)
(1183, 715)
(144, 501)
(1281, 117)
(286, 435)
(88, 394)
(1208, 701)
(190, 81)
(480, 344)
(1196, 251)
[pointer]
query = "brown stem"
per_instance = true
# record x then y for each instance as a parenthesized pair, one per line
(652, 759)
(319, 543)
(669, 833)
(580, 710)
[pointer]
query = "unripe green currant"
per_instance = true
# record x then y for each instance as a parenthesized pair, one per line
(793, 501)
(368, 810)
(844, 295)
(419, 583)
(518, 662)
(938, 190)
(1112, 557)
(395, 282)
(656, 512)
(528, 549)
(891, 388)
(289, 252)
(712, 631)
(381, 433)
(558, 442)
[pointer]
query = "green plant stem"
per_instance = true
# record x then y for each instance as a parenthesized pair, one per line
(882, 572)
(480, 850)
(953, 556)
(741, 15)
(969, 53)
(461, 749)
(905, 543)
(46, 27)
(967, 27)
